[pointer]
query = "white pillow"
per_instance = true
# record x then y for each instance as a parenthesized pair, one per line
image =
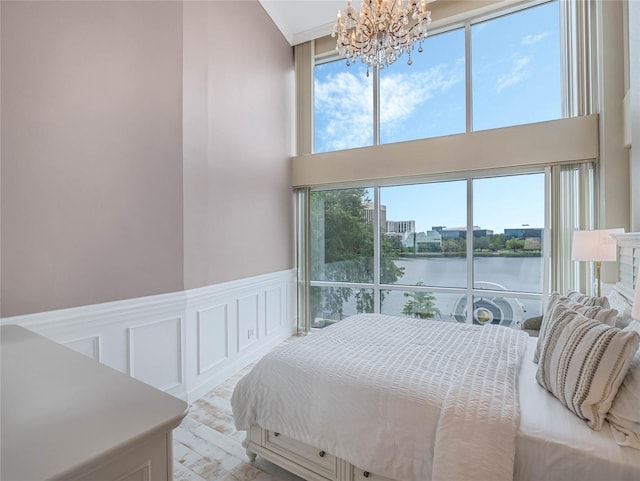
(583, 363)
(624, 415)
(619, 303)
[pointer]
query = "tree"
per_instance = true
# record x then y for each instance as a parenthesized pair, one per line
(454, 246)
(421, 304)
(481, 243)
(395, 243)
(342, 251)
(515, 244)
(496, 242)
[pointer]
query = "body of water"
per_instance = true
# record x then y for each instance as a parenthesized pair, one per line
(519, 274)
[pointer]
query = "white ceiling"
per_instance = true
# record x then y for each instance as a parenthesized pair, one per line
(303, 20)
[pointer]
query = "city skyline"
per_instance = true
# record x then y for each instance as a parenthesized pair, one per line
(503, 202)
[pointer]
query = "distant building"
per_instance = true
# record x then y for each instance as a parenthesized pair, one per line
(523, 233)
(461, 232)
(401, 226)
(422, 242)
(369, 209)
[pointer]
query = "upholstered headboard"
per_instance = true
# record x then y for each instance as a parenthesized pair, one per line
(628, 263)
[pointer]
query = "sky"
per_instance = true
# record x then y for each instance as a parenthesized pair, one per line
(516, 79)
(498, 203)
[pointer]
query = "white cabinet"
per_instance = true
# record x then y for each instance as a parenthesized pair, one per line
(65, 416)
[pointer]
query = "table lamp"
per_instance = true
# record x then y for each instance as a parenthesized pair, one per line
(595, 246)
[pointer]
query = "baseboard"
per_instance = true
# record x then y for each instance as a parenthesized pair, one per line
(184, 343)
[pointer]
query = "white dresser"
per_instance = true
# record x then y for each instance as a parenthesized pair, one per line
(65, 416)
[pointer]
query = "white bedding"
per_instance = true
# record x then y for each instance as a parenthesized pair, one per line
(402, 401)
(553, 444)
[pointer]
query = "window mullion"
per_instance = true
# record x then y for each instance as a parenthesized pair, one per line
(470, 250)
(546, 241)
(377, 232)
(467, 62)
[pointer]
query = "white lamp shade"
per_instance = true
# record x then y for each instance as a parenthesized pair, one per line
(595, 245)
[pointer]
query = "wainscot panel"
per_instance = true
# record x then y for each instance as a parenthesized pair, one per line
(213, 337)
(184, 343)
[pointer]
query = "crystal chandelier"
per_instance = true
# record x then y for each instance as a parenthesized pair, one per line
(382, 31)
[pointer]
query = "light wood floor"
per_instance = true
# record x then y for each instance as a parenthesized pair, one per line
(208, 447)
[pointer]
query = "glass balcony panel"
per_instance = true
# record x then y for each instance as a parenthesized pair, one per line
(500, 310)
(421, 304)
(332, 304)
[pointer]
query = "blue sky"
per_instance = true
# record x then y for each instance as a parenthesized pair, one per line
(516, 79)
(499, 203)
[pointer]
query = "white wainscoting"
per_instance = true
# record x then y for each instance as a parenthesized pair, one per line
(184, 343)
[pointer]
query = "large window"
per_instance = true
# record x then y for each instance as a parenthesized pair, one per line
(425, 232)
(343, 107)
(515, 74)
(427, 98)
(341, 254)
(430, 250)
(508, 236)
(515, 77)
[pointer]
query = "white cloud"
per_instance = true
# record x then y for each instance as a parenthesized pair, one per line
(403, 93)
(531, 39)
(345, 100)
(519, 72)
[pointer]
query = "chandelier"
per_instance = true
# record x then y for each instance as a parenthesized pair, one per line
(382, 31)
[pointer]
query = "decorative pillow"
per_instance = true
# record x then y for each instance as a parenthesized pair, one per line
(624, 415)
(585, 300)
(583, 363)
(553, 319)
(619, 303)
(597, 313)
(532, 323)
(601, 314)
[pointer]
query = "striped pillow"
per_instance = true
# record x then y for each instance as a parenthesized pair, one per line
(601, 314)
(583, 363)
(624, 414)
(585, 300)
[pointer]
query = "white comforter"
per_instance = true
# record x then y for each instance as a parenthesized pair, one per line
(406, 398)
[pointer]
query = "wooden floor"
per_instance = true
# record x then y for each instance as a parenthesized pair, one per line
(208, 447)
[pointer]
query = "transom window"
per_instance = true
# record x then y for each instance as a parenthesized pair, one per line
(514, 77)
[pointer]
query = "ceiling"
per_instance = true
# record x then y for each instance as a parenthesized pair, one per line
(303, 20)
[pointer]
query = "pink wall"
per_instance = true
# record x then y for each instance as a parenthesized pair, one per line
(105, 193)
(238, 140)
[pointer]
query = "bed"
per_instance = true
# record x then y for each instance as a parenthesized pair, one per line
(316, 408)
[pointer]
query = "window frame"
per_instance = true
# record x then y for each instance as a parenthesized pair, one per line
(568, 76)
(470, 291)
